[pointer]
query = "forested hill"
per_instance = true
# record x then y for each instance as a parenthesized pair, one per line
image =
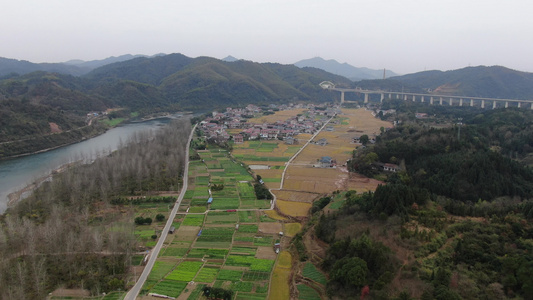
(475, 164)
(31, 105)
(481, 81)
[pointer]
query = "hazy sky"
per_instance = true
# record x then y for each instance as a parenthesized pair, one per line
(401, 35)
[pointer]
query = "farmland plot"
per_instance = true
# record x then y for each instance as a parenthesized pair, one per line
(169, 288)
(185, 271)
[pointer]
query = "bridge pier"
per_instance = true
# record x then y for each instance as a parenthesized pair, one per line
(440, 100)
(451, 101)
(531, 105)
(493, 104)
(460, 101)
(519, 104)
(342, 97)
(366, 97)
(471, 102)
(431, 100)
(482, 103)
(382, 97)
(405, 97)
(506, 104)
(414, 98)
(422, 99)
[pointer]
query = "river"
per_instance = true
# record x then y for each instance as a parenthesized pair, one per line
(17, 173)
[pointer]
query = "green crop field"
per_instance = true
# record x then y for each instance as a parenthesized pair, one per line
(307, 293)
(174, 252)
(207, 275)
(208, 253)
(255, 264)
(249, 296)
(241, 286)
(247, 217)
(311, 272)
(197, 209)
(169, 288)
(255, 276)
(229, 275)
(196, 293)
(225, 203)
(216, 234)
(160, 269)
(245, 250)
(263, 241)
(193, 220)
(185, 271)
(248, 228)
(222, 217)
(246, 190)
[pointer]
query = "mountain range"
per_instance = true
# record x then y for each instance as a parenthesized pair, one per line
(31, 101)
(74, 67)
(344, 69)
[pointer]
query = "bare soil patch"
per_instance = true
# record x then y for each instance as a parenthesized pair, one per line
(265, 253)
(297, 196)
(270, 227)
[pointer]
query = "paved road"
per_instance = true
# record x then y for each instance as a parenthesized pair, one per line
(134, 292)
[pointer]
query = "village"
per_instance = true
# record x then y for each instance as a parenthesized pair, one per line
(215, 127)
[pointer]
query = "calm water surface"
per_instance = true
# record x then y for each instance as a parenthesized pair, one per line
(17, 173)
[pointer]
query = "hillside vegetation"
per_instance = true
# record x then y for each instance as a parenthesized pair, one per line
(30, 103)
(453, 223)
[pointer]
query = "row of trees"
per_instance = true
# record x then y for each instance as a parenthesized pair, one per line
(60, 236)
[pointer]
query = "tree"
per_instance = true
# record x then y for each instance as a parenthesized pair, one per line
(350, 272)
(364, 139)
(159, 217)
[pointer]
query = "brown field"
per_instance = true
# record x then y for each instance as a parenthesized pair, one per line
(265, 253)
(187, 233)
(296, 196)
(279, 284)
(295, 209)
(270, 227)
(291, 229)
(301, 177)
(274, 215)
(277, 116)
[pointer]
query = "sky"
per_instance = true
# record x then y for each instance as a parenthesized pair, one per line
(404, 36)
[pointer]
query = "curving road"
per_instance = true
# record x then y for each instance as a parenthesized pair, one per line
(134, 291)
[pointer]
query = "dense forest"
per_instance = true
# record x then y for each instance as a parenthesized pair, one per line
(60, 235)
(453, 223)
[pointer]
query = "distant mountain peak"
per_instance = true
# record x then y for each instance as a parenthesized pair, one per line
(343, 69)
(230, 58)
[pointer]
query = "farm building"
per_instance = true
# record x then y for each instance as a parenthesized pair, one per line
(238, 139)
(322, 142)
(172, 229)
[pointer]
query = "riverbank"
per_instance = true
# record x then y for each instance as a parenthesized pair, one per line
(14, 197)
